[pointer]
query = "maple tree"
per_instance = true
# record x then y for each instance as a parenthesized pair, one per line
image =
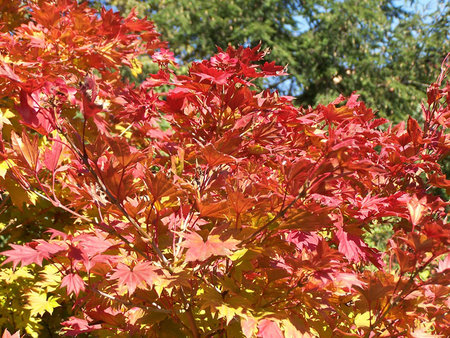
(247, 216)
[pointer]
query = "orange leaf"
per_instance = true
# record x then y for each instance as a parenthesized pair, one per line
(218, 210)
(238, 202)
(416, 208)
(27, 150)
(160, 186)
(198, 250)
(133, 277)
(215, 157)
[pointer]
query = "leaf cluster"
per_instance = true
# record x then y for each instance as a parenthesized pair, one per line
(246, 216)
(387, 51)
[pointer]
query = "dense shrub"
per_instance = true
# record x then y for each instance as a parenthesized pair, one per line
(245, 215)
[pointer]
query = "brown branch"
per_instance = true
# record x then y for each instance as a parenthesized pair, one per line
(190, 315)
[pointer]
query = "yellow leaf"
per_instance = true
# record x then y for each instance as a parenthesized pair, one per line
(161, 285)
(238, 254)
(39, 304)
(228, 312)
(5, 115)
(165, 199)
(136, 68)
(32, 197)
(50, 278)
(17, 193)
(124, 131)
(4, 166)
(10, 275)
(362, 319)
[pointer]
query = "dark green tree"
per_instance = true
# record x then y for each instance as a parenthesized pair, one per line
(385, 50)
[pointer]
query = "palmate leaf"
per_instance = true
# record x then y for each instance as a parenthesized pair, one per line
(52, 155)
(74, 326)
(199, 250)
(23, 254)
(74, 283)
(122, 151)
(160, 186)
(214, 158)
(228, 312)
(39, 303)
(132, 277)
(219, 210)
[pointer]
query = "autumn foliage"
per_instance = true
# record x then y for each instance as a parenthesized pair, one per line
(246, 216)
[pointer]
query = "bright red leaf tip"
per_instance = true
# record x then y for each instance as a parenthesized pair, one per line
(133, 277)
(198, 250)
(73, 283)
(7, 334)
(23, 254)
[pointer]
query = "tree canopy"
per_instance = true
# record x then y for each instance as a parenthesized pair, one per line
(387, 51)
(247, 216)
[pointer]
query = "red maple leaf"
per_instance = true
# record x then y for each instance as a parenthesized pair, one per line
(75, 326)
(23, 254)
(270, 69)
(198, 250)
(73, 283)
(51, 156)
(133, 277)
(349, 246)
(48, 249)
(32, 114)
